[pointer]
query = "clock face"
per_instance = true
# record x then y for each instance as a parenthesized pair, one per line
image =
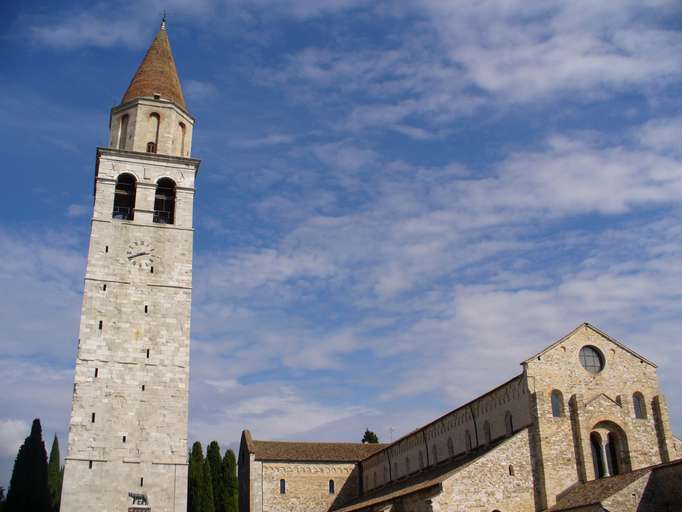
(140, 254)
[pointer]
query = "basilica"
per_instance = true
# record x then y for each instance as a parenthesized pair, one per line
(583, 427)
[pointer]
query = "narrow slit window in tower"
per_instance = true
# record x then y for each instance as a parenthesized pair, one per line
(92, 418)
(154, 122)
(183, 132)
(123, 132)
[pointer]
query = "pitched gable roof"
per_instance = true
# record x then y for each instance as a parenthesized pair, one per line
(309, 452)
(598, 331)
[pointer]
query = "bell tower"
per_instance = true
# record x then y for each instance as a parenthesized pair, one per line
(127, 448)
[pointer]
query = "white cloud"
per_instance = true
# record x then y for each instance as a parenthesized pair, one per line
(78, 210)
(12, 434)
(198, 91)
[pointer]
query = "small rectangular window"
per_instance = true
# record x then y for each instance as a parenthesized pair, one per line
(106, 248)
(151, 270)
(96, 372)
(104, 287)
(100, 325)
(147, 353)
(90, 464)
(142, 387)
(141, 481)
(124, 439)
(146, 308)
(282, 486)
(92, 418)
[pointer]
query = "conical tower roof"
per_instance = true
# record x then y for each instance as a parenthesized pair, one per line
(157, 73)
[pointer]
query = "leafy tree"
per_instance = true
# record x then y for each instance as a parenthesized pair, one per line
(370, 437)
(217, 477)
(231, 484)
(195, 479)
(28, 489)
(55, 474)
(207, 504)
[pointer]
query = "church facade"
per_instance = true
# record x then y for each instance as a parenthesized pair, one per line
(584, 427)
(127, 446)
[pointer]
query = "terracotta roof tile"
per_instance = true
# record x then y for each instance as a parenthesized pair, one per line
(157, 74)
(313, 452)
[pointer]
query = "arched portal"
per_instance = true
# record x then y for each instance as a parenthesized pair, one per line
(610, 451)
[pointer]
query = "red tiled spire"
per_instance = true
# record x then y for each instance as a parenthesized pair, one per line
(157, 73)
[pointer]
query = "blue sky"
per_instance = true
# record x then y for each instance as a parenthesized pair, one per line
(399, 201)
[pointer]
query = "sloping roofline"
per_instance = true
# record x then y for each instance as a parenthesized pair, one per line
(443, 416)
(598, 331)
(308, 451)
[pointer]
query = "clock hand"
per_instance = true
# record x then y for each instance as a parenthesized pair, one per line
(138, 254)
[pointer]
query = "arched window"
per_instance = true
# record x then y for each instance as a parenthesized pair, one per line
(282, 486)
(467, 440)
(123, 131)
(508, 423)
(164, 202)
(640, 407)
(421, 461)
(407, 465)
(434, 449)
(154, 122)
(557, 403)
(331, 486)
(183, 131)
(487, 435)
(124, 197)
(451, 448)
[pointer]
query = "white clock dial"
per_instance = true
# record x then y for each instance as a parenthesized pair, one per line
(140, 254)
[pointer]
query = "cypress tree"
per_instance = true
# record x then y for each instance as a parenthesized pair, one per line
(195, 478)
(217, 476)
(54, 475)
(28, 489)
(207, 489)
(231, 483)
(370, 437)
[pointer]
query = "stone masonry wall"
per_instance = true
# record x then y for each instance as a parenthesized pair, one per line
(307, 486)
(128, 428)
(431, 443)
(171, 140)
(605, 398)
(487, 483)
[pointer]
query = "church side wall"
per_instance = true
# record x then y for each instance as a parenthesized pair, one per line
(432, 441)
(307, 486)
(486, 484)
